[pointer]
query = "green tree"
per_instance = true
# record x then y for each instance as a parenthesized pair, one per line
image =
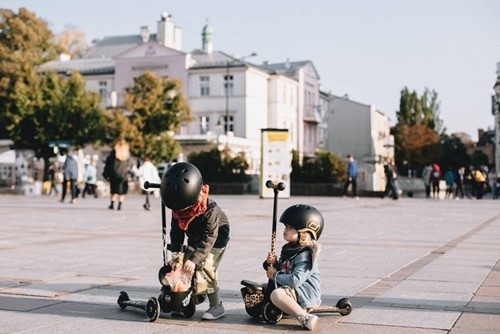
(479, 158)
(25, 42)
(323, 167)
(218, 166)
(54, 108)
(424, 110)
(454, 153)
(418, 129)
(157, 111)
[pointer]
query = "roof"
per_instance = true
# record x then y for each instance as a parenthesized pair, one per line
(84, 66)
(113, 46)
(289, 68)
(217, 59)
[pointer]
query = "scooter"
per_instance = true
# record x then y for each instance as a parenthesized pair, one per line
(256, 296)
(183, 302)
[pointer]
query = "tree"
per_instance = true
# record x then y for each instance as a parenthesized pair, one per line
(25, 42)
(49, 107)
(72, 41)
(415, 146)
(424, 110)
(418, 129)
(157, 111)
(454, 153)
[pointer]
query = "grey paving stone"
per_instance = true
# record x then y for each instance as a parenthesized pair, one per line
(481, 322)
(371, 248)
(418, 318)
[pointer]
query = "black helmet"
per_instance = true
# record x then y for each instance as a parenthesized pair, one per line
(181, 186)
(304, 218)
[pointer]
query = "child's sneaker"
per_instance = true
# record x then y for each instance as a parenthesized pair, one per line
(214, 312)
(308, 321)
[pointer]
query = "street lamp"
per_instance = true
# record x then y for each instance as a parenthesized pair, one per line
(226, 84)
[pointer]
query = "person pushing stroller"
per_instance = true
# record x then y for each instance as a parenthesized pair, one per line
(295, 274)
(206, 226)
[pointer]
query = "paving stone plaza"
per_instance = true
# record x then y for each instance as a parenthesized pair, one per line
(408, 266)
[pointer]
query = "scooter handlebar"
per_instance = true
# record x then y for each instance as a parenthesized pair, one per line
(280, 186)
(148, 185)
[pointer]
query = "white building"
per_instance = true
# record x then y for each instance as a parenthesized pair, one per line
(363, 131)
(231, 99)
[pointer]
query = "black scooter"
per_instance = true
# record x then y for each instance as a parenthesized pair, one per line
(168, 301)
(256, 296)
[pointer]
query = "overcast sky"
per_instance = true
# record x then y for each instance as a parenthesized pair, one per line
(367, 49)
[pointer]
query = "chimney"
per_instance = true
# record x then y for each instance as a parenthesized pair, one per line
(169, 34)
(145, 33)
(287, 64)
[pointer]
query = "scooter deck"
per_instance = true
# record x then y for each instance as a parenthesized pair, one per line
(134, 303)
(325, 309)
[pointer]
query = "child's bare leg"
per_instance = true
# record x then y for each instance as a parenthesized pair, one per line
(286, 303)
(282, 299)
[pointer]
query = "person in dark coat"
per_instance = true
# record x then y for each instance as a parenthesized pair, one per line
(116, 172)
(391, 176)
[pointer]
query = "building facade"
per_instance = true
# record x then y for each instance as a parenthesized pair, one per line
(232, 99)
(363, 131)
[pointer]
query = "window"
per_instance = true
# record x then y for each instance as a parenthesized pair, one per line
(229, 84)
(103, 90)
(228, 125)
(204, 124)
(204, 86)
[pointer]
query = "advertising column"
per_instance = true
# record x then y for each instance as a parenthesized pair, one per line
(276, 164)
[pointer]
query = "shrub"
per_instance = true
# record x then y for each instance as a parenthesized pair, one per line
(221, 167)
(323, 167)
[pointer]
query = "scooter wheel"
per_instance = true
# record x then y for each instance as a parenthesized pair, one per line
(271, 313)
(190, 308)
(123, 298)
(345, 306)
(152, 309)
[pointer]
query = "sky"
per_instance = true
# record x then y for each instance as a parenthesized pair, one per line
(369, 50)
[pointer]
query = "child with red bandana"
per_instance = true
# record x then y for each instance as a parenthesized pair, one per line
(202, 221)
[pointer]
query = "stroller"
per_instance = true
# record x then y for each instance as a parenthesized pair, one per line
(256, 296)
(177, 294)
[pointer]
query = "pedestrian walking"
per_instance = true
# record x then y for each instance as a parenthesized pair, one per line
(352, 174)
(70, 176)
(116, 171)
(147, 172)
(449, 178)
(391, 175)
(459, 182)
(426, 178)
(435, 179)
(90, 178)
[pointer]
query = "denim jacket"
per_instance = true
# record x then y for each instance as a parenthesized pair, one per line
(305, 281)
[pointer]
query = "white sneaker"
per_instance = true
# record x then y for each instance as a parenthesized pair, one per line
(308, 321)
(214, 312)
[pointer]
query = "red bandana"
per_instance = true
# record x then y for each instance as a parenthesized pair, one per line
(187, 215)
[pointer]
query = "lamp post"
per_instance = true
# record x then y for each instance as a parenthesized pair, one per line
(226, 84)
(495, 109)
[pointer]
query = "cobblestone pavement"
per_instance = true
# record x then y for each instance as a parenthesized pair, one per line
(408, 266)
